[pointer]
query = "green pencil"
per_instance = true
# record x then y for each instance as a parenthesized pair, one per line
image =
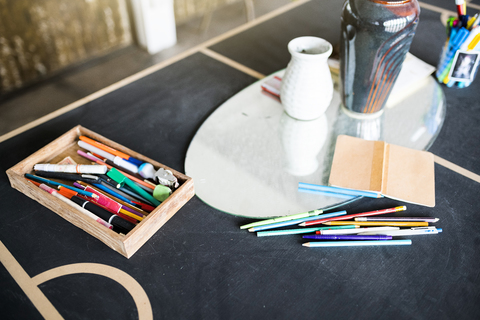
(284, 218)
(299, 231)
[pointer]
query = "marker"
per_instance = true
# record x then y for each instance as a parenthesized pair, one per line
(54, 183)
(354, 231)
(111, 150)
(302, 230)
(378, 223)
(122, 179)
(420, 219)
(406, 232)
(460, 8)
(111, 204)
(358, 243)
(96, 160)
(284, 218)
(87, 213)
(296, 221)
(67, 193)
(71, 168)
(113, 219)
(346, 217)
(68, 176)
(115, 159)
(348, 237)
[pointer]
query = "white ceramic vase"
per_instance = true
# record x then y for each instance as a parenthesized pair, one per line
(307, 87)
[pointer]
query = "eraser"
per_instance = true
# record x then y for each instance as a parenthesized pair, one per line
(161, 192)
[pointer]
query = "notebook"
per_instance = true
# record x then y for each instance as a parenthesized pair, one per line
(395, 172)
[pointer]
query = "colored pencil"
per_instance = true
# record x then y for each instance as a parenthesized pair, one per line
(378, 223)
(406, 232)
(296, 221)
(354, 231)
(284, 218)
(348, 237)
(350, 216)
(326, 193)
(358, 243)
(339, 190)
(419, 219)
(301, 230)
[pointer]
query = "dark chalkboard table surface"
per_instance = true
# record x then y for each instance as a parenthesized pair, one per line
(200, 265)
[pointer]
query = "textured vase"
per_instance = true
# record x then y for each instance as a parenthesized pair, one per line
(375, 37)
(307, 86)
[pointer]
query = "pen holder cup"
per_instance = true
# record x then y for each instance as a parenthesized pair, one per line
(457, 68)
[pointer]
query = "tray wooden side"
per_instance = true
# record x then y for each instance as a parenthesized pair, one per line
(66, 145)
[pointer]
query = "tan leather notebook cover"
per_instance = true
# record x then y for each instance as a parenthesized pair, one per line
(394, 171)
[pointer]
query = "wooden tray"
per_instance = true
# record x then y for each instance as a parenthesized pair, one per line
(66, 145)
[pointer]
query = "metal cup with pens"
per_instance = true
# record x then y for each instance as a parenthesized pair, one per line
(461, 54)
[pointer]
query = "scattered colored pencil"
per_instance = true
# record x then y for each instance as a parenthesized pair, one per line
(350, 216)
(358, 243)
(296, 221)
(284, 218)
(348, 237)
(378, 223)
(420, 219)
(301, 230)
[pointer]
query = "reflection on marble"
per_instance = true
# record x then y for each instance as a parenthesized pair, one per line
(301, 142)
(249, 156)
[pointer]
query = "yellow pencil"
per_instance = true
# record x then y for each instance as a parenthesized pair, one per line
(377, 223)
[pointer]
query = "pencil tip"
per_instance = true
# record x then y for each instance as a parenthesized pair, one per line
(251, 230)
(436, 219)
(302, 224)
(306, 244)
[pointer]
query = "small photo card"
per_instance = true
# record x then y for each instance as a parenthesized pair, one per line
(464, 65)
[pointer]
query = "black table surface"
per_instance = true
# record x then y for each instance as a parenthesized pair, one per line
(200, 265)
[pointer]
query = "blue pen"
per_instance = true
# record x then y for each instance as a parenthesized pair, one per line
(297, 221)
(113, 193)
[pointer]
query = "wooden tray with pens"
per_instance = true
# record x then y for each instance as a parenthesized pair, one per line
(138, 194)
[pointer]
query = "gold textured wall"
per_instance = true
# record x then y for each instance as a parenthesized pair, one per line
(188, 9)
(39, 37)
